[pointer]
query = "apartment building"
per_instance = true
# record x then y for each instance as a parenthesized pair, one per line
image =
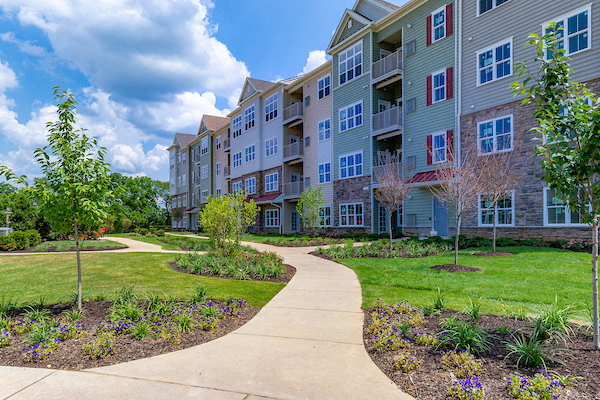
(423, 81)
(179, 175)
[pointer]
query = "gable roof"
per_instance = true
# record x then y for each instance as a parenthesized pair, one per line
(212, 122)
(390, 5)
(341, 28)
(185, 139)
(252, 86)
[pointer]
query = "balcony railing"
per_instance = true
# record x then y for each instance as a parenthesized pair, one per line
(292, 189)
(293, 113)
(197, 158)
(198, 180)
(226, 171)
(226, 144)
(293, 151)
(387, 121)
(388, 68)
(381, 170)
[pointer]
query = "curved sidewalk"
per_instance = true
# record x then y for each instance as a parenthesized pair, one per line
(306, 343)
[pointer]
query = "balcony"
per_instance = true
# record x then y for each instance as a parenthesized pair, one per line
(197, 160)
(198, 181)
(226, 144)
(292, 190)
(387, 70)
(293, 153)
(380, 170)
(387, 123)
(293, 115)
(226, 171)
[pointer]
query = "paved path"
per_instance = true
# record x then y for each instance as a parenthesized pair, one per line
(306, 343)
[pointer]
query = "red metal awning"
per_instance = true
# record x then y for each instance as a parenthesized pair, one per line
(423, 177)
(268, 198)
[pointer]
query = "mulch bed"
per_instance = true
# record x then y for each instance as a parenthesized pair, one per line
(432, 382)
(285, 278)
(70, 357)
(53, 249)
(492, 253)
(455, 268)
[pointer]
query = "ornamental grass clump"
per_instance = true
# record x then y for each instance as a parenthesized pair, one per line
(467, 389)
(463, 335)
(424, 339)
(539, 387)
(101, 346)
(407, 362)
(462, 364)
(530, 352)
(40, 351)
(5, 338)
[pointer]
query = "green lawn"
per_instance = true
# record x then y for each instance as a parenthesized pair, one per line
(528, 278)
(146, 239)
(69, 245)
(25, 278)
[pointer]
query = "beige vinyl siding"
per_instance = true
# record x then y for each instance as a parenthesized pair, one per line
(517, 19)
(206, 159)
(219, 156)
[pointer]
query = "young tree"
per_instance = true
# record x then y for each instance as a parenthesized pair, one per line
(568, 115)
(393, 187)
(177, 214)
(498, 179)
(309, 208)
(74, 189)
(459, 187)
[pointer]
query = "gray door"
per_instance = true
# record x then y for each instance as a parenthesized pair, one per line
(383, 219)
(440, 217)
(294, 225)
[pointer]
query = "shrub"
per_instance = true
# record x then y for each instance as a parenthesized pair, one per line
(21, 240)
(159, 232)
(505, 242)
(34, 237)
(540, 387)
(424, 339)
(407, 362)
(463, 364)
(478, 241)
(534, 242)
(532, 352)
(141, 231)
(101, 346)
(465, 336)
(467, 389)
(559, 244)
(8, 243)
(40, 351)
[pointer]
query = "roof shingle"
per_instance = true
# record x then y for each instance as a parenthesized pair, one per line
(261, 85)
(185, 139)
(213, 122)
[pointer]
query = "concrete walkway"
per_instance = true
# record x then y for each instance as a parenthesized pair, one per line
(306, 343)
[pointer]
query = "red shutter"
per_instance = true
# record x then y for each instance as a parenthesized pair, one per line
(429, 90)
(449, 19)
(450, 145)
(449, 82)
(429, 150)
(429, 30)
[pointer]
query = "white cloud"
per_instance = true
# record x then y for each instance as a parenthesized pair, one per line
(315, 59)
(25, 46)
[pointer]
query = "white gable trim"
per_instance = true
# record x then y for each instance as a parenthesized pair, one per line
(377, 4)
(247, 85)
(340, 28)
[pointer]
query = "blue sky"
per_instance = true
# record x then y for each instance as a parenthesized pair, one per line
(144, 69)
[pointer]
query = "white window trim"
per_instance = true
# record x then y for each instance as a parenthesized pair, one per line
(234, 185)
(204, 196)
(564, 18)
(362, 119)
(275, 108)
(362, 69)
(493, 121)
(567, 212)
(246, 185)
(352, 204)
(442, 71)
(324, 173)
(275, 182)
(274, 211)
(494, 6)
(241, 126)
(204, 149)
(272, 152)
(330, 87)
(493, 48)
(512, 210)
(318, 131)
(233, 160)
(433, 135)
(204, 169)
(218, 142)
(253, 118)
(330, 216)
(218, 168)
(433, 39)
(340, 165)
(253, 153)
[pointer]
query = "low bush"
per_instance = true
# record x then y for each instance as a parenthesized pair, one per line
(463, 364)
(159, 233)
(34, 237)
(407, 362)
(263, 265)
(40, 351)
(410, 248)
(102, 345)
(390, 339)
(424, 339)
(539, 387)
(5, 338)
(534, 242)
(505, 242)
(467, 389)
(141, 231)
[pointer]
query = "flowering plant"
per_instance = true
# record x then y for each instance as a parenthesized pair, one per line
(539, 387)
(467, 389)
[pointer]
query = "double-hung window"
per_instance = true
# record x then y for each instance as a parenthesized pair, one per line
(271, 182)
(179, 181)
(218, 168)
(557, 211)
(438, 25)
(351, 165)
(204, 145)
(204, 172)
(351, 116)
(271, 147)
(172, 183)
(236, 126)
(271, 108)
(487, 5)
(324, 87)
(218, 142)
(439, 86)
(325, 173)
(495, 135)
(439, 147)
(236, 187)
(350, 63)
(325, 216)
(572, 32)
(351, 214)
(324, 130)
(237, 159)
(250, 153)
(504, 208)
(250, 184)
(184, 179)
(494, 62)
(249, 118)
(272, 217)
(203, 196)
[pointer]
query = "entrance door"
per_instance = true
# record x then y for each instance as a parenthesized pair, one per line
(383, 219)
(294, 225)
(440, 217)
(294, 139)
(384, 105)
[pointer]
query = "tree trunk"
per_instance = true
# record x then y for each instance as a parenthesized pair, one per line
(595, 282)
(456, 240)
(494, 233)
(390, 227)
(79, 305)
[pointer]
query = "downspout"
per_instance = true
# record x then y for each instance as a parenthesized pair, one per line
(458, 62)
(371, 190)
(280, 216)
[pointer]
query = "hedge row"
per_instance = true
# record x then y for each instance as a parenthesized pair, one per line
(20, 240)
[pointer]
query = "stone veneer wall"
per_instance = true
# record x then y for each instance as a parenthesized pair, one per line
(529, 193)
(352, 191)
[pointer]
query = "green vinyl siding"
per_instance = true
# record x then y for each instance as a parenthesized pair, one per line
(420, 203)
(347, 32)
(356, 90)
